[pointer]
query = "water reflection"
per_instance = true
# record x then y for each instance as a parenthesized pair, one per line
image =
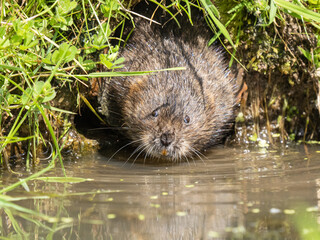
(234, 194)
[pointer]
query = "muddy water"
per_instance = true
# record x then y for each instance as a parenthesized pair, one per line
(233, 193)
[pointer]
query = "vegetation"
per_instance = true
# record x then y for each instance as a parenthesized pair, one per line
(277, 42)
(46, 49)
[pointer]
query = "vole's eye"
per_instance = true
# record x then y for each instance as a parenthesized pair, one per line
(186, 119)
(155, 113)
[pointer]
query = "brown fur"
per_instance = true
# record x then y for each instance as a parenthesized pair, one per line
(205, 92)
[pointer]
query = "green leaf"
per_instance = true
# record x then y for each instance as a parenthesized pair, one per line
(87, 64)
(64, 53)
(30, 59)
(4, 43)
(43, 90)
(105, 61)
(47, 59)
(56, 56)
(16, 40)
(73, 5)
(71, 53)
(2, 31)
(101, 38)
(40, 91)
(12, 99)
(273, 11)
(30, 45)
(88, 48)
(38, 86)
(28, 38)
(66, 6)
(306, 53)
(49, 68)
(26, 96)
(113, 56)
(60, 53)
(119, 61)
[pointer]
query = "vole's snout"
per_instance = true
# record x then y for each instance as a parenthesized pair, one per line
(166, 138)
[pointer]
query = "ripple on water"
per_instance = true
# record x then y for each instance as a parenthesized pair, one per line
(233, 193)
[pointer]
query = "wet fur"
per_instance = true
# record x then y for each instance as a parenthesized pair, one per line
(205, 91)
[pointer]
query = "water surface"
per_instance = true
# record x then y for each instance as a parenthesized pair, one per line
(233, 193)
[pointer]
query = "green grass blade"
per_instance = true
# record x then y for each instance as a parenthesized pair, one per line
(127, 74)
(57, 109)
(217, 22)
(15, 224)
(4, 67)
(15, 127)
(273, 11)
(64, 179)
(91, 108)
(167, 10)
(16, 139)
(306, 13)
(9, 205)
(37, 174)
(54, 139)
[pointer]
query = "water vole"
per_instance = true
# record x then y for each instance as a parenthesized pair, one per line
(172, 114)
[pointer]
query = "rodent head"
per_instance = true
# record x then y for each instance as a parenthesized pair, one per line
(167, 119)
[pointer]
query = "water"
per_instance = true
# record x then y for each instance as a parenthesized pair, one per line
(234, 193)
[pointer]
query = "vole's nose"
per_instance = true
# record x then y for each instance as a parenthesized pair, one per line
(166, 138)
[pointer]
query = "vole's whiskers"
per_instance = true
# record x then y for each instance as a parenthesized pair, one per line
(186, 157)
(149, 151)
(194, 162)
(128, 144)
(142, 150)
(198, 153)
(135, 151)
(108, 128)
(116, 113)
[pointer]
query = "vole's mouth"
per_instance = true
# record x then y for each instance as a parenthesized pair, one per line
(164, 152)
(163, 147)
(167, 152)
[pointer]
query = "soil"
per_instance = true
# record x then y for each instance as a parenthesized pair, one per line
(280, 104)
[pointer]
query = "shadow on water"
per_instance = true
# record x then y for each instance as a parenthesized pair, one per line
(233, 194)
